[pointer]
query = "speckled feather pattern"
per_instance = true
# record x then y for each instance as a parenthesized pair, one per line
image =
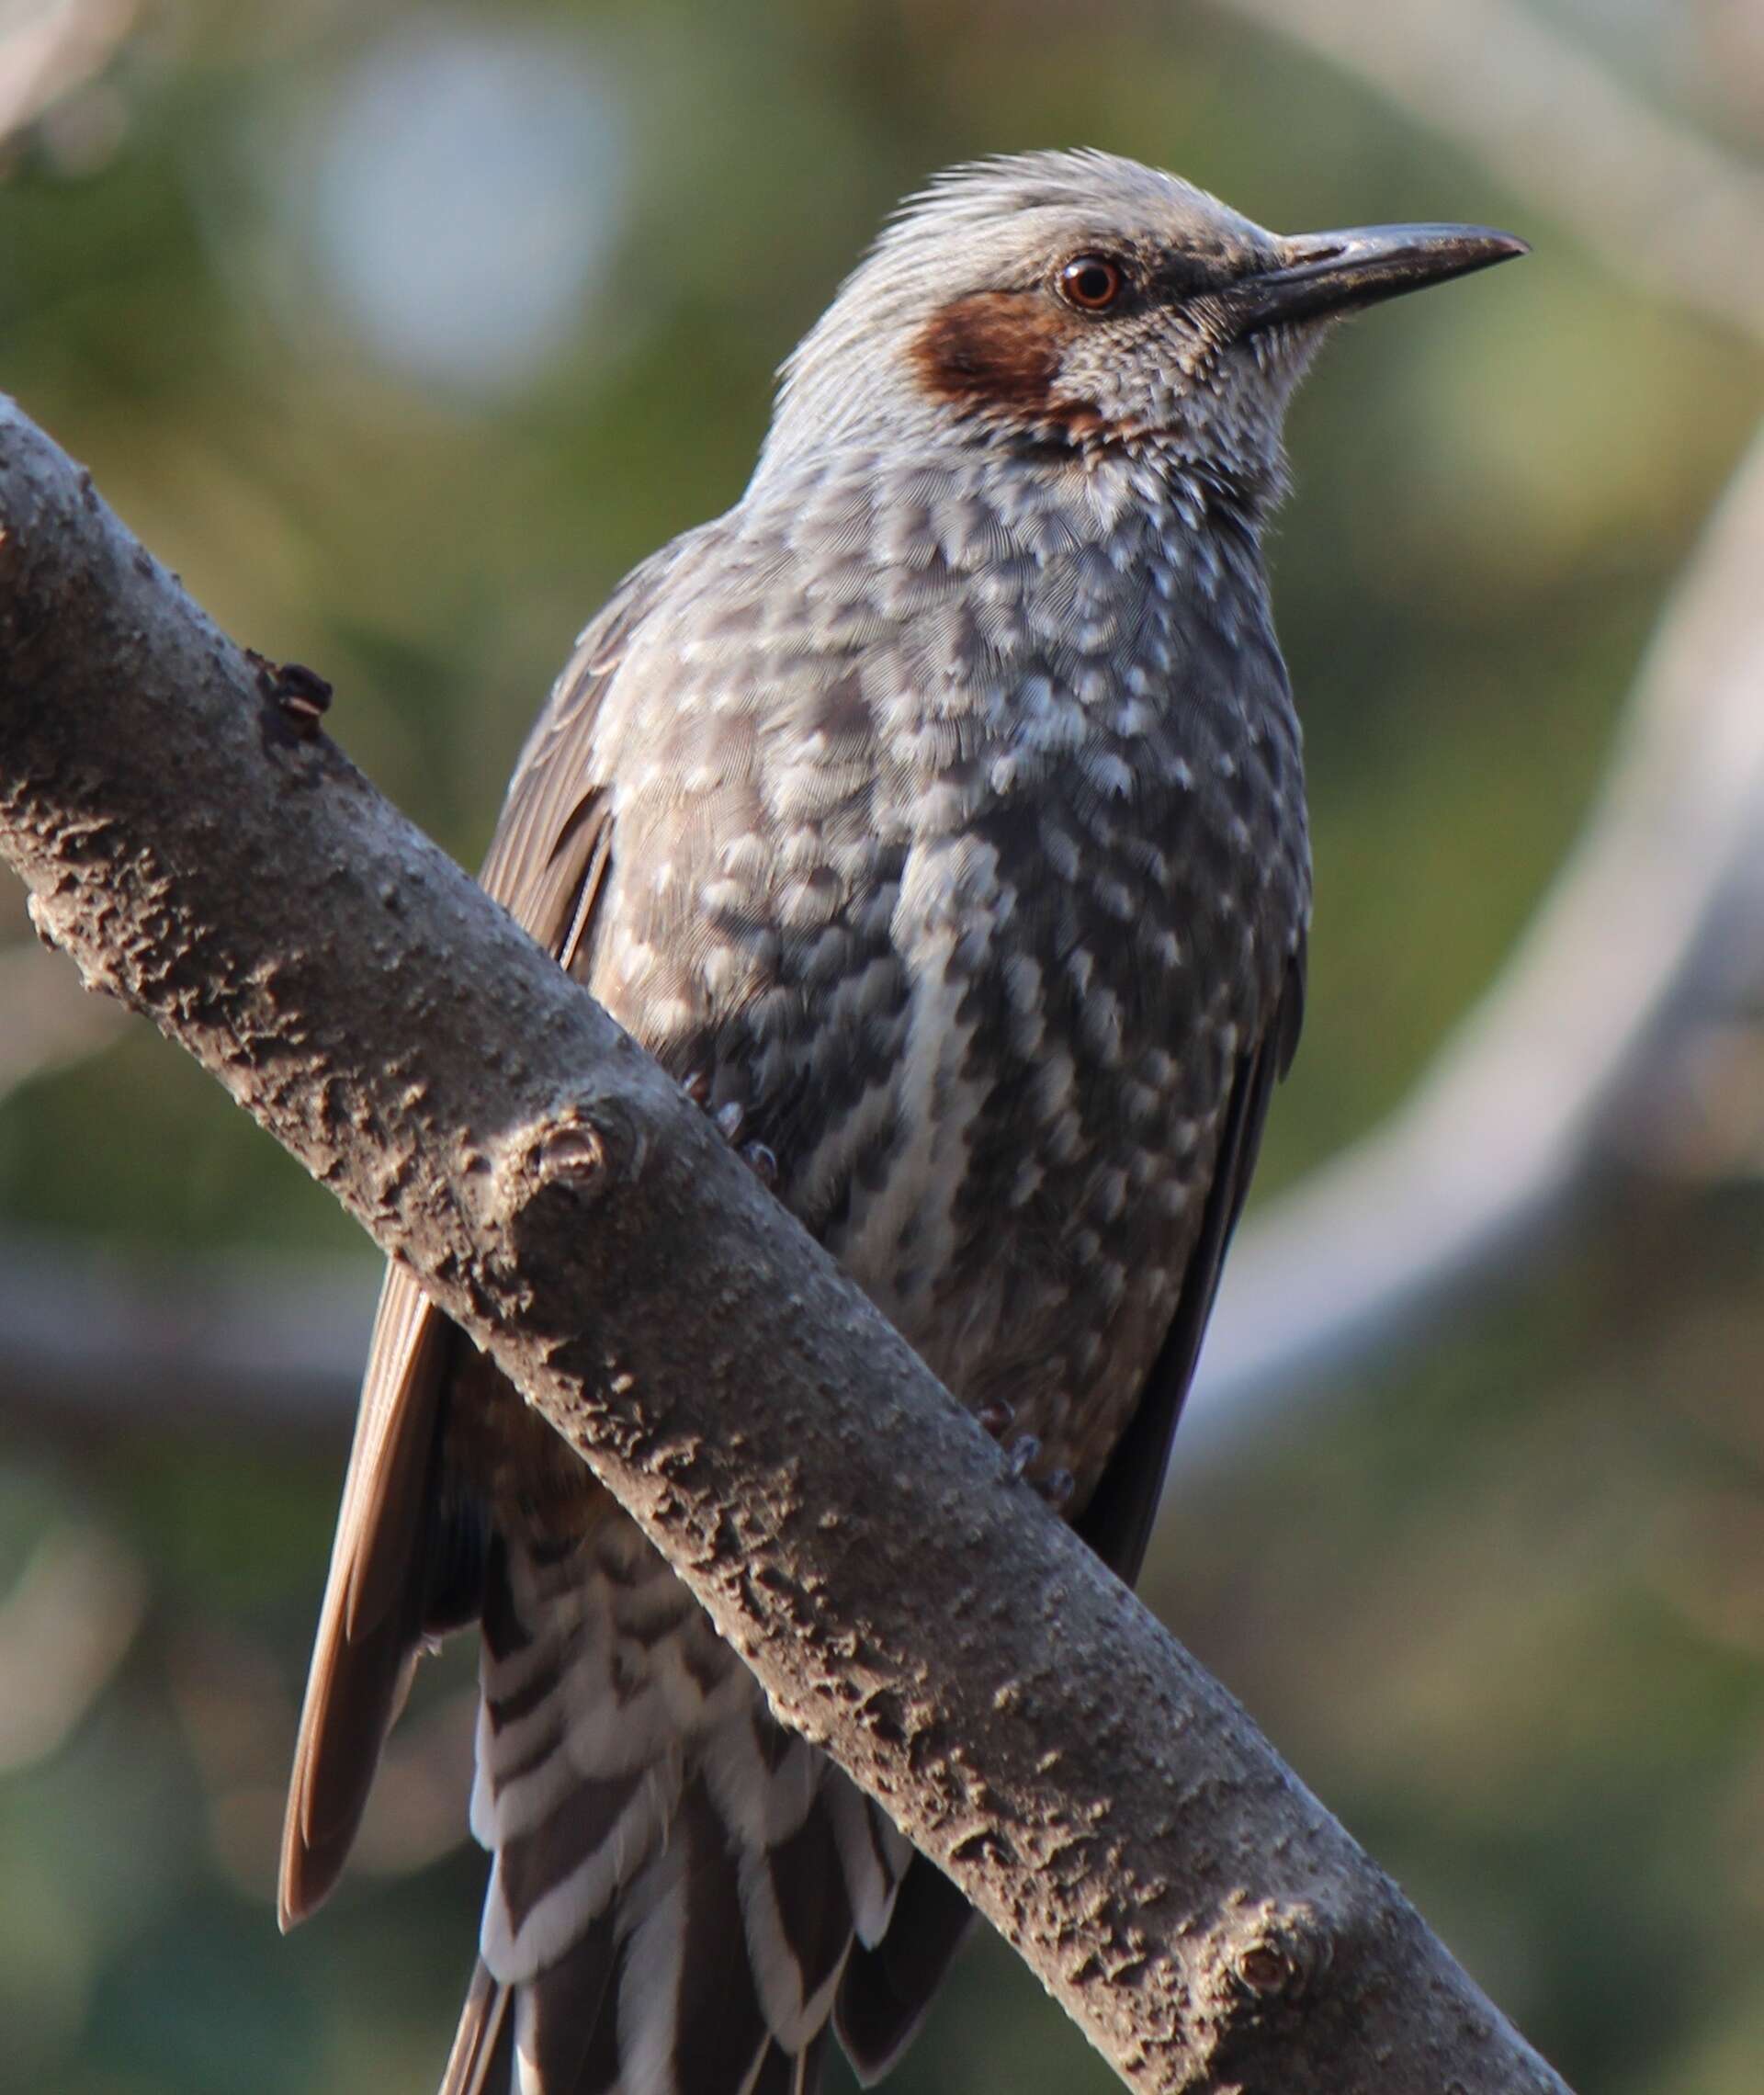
(959, 841)
(937, 817)
(952, 844)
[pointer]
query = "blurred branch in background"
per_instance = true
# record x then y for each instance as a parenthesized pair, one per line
(1656, 201)
(90, 1338)
(52, 49)
(1650, 945)
(1640, 952)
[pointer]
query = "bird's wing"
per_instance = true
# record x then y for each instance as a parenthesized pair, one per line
(400, 1566)
(1119, 1521)
(888, 1987)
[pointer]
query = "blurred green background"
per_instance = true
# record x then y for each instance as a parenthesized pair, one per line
(400, 332)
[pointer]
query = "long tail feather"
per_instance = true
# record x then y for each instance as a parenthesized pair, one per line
(677, 1881)
(374, 1597)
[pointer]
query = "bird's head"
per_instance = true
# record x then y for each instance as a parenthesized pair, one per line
(1079, 303)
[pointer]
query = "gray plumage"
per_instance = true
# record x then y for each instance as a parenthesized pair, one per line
(936, 815)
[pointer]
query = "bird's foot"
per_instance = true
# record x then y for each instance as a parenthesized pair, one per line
(729, 1119)
(1056, 1485)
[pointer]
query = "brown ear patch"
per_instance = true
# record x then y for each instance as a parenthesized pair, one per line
(999, 351)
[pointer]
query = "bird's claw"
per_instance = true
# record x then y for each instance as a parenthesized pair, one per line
(1055, 1487)
(728, 1120)
(1058, 1488)
(762, 1163)
(1021, 1456)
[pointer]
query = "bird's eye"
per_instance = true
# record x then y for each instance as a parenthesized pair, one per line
(1092, 282)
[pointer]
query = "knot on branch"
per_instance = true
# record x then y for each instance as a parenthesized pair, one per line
(1274, 1957)
(574, 1154)
(548, 1173)
(581, 1152)
(536, 1187)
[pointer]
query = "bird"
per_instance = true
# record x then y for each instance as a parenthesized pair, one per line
(936, 818)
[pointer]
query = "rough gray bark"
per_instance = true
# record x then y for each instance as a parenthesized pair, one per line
(205, 856)
(1589, 1057)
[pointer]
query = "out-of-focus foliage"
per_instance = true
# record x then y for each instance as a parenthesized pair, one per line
(400, 332)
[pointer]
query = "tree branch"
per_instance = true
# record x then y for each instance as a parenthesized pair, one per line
(1649, 939)
(207, 857)
(1444, 1199)
(1648, 942)
(92, 1338)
